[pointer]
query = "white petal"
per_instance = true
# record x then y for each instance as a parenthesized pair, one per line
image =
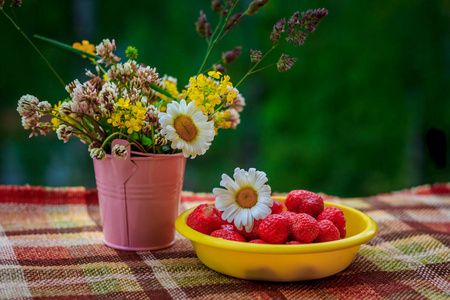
(265, 200)
(260, 211)
(230, 212)
(260, 180)
(249, 225)
(229, 183)
(224, 201)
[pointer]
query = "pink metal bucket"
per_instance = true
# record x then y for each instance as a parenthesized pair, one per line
(139, 199)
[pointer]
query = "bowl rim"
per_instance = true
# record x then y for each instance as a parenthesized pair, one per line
(366, 235)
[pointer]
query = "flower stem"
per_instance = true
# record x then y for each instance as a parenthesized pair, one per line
(253, 68)
(215, 30)
(153, 137)
(162, 91)
(260, 69)
(75, 124)
(100, 67)
(34, 46)
(67, 47)
(96, 124)
(216, 40)
(122, 134)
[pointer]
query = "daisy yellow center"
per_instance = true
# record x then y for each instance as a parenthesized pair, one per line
(247, 197)
(185, 128)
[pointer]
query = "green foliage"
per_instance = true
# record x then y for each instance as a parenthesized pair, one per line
(146, 141)
(350, 118)
(131, 53)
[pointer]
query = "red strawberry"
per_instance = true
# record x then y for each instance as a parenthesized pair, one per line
(327, 232)
(274, 229)
(289, 215)
(227, 227)
(294, 243)
(301, 201)
(219, 213)
(252, 234)
(257, 241)
(228, 235)
(204, 219)
(277, 207)
(336, 216)
(304, 228)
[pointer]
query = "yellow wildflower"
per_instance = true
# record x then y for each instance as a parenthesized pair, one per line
(170, 87)
(85, 46)
(209, 94)
(123, 103)
(55, 121)
(222, 120)
(128, 116)
(215, 74)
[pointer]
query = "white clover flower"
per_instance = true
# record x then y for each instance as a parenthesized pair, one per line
(66, 108)
(119, 151)
(160, 140)
(107, 97)
(45, 106)
(187, 128)
(64, 132)
(28, 105)
(244, 199)
(98, 153)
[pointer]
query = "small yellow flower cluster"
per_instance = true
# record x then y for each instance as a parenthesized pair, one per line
(170, 87)
(222, 120)
(208, 93)
(55, 121)
(128, 116)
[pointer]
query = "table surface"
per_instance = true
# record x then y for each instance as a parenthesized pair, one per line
(51, 247)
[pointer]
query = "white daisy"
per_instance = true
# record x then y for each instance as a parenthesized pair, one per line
(244, 199)
(187, 128)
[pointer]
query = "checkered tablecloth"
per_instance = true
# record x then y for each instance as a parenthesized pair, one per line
(51, 247)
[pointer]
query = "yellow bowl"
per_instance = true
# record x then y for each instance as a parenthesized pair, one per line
(281, 263)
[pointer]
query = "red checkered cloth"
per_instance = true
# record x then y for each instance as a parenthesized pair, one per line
(51, 247)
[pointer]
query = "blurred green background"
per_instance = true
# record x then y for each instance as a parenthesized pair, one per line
(363, 111)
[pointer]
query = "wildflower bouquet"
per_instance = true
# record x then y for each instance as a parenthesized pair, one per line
(129, 100)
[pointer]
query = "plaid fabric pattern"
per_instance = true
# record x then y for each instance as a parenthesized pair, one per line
(51, 247)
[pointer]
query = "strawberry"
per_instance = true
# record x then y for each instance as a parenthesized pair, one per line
(277, 207)
(336, 216)
(257, 241)
(304, 228)
(252, 234)
(301, 201)
(228, 235)
(289, 215)
(219, 213)
(274, 229)
(204, 219)
(227, 227)
(327, 232)
(294, 243)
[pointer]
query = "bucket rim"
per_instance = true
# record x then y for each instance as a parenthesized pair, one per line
(148, 156)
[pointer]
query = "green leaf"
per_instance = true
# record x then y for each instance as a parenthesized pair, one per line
(106, 126)
(162, 91)
(67, 47)
(146, 141)
(135, 136)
